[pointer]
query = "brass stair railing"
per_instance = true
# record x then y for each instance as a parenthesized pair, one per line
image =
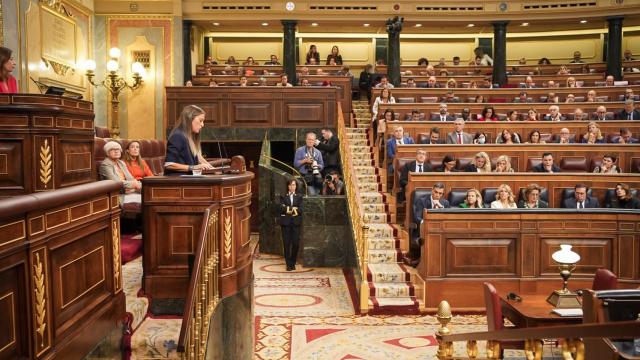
(203, 295)
(356, 212)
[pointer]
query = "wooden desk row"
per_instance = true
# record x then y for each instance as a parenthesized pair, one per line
(421, 95)
(343, 83)
(256, 107)
(515, 80)
(512, 249)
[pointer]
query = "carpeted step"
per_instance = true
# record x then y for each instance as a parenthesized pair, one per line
(365, 170)
(375, 218)
(368, 178)
(369, 187)
(375, 207)
(393, 306)
(384, 256)
(381, 273)
(387, 243)
(361, 162)
(356, 149)
(391, 290)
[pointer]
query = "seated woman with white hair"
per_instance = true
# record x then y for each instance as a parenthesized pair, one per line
(112, 168)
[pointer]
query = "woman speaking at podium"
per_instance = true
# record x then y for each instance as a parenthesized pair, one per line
(290, 218)
(184, 153)
(8, 84)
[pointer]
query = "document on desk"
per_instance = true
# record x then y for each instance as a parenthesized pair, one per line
(568, 312)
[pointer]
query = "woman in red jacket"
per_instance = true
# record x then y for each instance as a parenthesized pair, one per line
(8, 84)
(135, 163)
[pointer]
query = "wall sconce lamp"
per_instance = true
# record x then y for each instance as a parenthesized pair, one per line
(115, 83)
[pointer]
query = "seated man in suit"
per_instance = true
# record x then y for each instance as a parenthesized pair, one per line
(397, 139)
(434, 137)
(547, 164)
(418, 165)
(415, 115)
(528, 83)
(443, 114)
(580, 199)
(625, 137)
(434, 201)
(458, 136)
(432, 83)
(629, 112)
(450, 97)
(601, 114)
(565, 137)
(578, 115)
(554, 114)
(523, 98)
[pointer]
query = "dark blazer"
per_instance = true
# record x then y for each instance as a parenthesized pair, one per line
(540, 168)
(338, 59)
(622, 115)
(425, 203)
(329, 150)
(632, 203)
(426, 85)
(589, 203)
(411, 167)
(391, 146)
(541, 204)
(315, 56)
(178, 151)
(471, 168)
(436, 117)
(366, 80)
(548, 118)
(288, 220)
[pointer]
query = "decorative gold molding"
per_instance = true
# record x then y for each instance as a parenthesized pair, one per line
(45, 163)
(115, 239)
(58, 68)
(1, 24)
(58, 6)
(41, 300)
(228, 238)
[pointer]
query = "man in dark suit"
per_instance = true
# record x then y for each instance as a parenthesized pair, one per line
(434, 137)
(418, 165)
(290, 219)
(443, 114)
(554, 114)
(601, 114)
(328, 146)
(625, 137)
(580, 200)
(565, 137)
(629, 112)
(433, 201)
(397, 139)
(458, 136)
(547, 164)
(432, 83)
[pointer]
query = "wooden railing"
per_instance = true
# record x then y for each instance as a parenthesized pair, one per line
(203, 295)
(570, 337)
(356, 212)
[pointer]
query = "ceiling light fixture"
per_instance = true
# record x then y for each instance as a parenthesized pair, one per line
(366, 25)
(314, 24)
(265, 24)
(471, 25)
(216, 24)
(418, 25)
(583, 21)
(525, 24)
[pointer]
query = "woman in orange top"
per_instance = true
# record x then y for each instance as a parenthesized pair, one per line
(8, 84)
(135, 163)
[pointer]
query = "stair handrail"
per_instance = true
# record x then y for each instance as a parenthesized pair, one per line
(570, 337)
(203, 295)
(356, 211)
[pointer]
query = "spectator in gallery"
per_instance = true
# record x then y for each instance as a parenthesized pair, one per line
(473, 84)
(479, 99)
(580, 199)
(503, 165)
(504, 198)
(629, 112)
(366, 80)
(481, 163)
(184, 153)
(485, 60)
(328, 146)
(380, 62)
(552, 98)
(284, 81)
(535, 137)
(241, 71)
(423, 62)
(473, 200)
(332, 184)
(532, 115)
(308, 161)
(593, 135)
(577, 58)
(249, 61)
(459, 136)
(231, 61)
(443, 114)
(272, 61)
(442, 62)
(522, 61)
(480, 138)
(385, 98)
(547, 165)
(335, 55)
(136, 165)
(625, 137)
(332, 62)
(112, 168)
(608, 165)
(290, 219)
(544, 61)
(623, 198)
(456, 60)
(532, 198)
(398, 139)
(210, 61)
(313, 54)
(228, 70)
(449, 163)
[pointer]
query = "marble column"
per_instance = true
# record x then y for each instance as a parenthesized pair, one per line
(614, 47)
(289, 46)
(394, 27)
(500, 52)
(186, 49)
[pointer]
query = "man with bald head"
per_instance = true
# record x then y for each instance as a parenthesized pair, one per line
(554, 114)
(578, 114)
(432, 83)
(601, 114)
(398, 139)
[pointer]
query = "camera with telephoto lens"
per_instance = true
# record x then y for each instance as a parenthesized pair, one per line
(315, 169)
(328, 178)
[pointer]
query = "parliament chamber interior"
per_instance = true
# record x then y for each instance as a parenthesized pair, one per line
(319, 180)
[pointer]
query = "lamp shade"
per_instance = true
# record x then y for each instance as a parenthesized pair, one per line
(90, 65)
(137, 67)
(565, 255)
(114, 53)
(112, 65)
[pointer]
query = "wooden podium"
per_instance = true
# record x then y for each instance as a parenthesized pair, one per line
(173, 207)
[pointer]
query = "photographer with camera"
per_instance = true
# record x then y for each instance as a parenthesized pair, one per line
(328, 146)
(332, 184)
(308, 161)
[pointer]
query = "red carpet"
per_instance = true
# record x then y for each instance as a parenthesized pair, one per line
(130, 247)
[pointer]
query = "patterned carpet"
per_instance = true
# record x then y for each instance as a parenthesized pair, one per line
(389, 281)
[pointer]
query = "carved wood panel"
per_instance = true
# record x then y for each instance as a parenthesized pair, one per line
(490, 257)
(12, 164)
(14, 340)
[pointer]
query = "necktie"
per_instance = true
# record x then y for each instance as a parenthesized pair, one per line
(630, 117)
(459, 139)
(419, 167)
(442, 118)
(399, 142)
(581, 205)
